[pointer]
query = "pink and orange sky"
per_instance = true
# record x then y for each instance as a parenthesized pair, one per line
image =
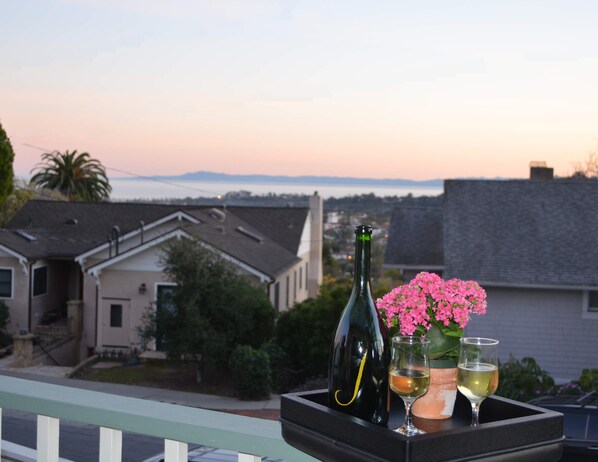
(386, 89)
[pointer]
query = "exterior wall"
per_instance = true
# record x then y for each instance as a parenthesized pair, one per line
(546, 325)
(316, 211)
(123, 285)
(19, 303)
(120, 284)
(293, 281)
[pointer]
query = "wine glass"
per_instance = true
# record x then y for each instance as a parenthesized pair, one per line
(478, 372)
(409, 375)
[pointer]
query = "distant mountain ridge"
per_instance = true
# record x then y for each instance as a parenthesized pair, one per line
(304, 179)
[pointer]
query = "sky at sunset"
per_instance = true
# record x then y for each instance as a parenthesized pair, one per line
(382, 89)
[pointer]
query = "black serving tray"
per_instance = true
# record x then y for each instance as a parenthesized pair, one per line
(508, 431)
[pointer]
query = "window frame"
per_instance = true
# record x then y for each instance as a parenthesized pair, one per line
(589, 312)
(12, 283)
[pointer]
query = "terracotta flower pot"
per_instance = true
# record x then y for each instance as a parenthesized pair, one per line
(439, 401)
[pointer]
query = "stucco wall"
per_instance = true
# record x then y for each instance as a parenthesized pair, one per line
(124, 285)
(546, 325)
(297, 287)
(18, 304)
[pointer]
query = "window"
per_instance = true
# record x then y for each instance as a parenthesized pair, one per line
(116, 315)
(40, 281)
(277, 296)
(300, 277)
(589, 307)
(294, 286)
(5, 282)
(593, 301)
(306, 277)
(288, 289)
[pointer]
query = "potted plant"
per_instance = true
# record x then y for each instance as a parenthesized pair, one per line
(440, 310)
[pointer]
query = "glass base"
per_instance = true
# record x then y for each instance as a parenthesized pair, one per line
(409, 430)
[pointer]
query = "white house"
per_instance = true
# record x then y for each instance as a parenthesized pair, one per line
(104, 258)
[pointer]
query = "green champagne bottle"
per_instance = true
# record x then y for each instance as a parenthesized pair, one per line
(360, 351)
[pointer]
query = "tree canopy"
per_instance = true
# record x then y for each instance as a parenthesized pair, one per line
(76, 175)
(7, 157)
(212, 308)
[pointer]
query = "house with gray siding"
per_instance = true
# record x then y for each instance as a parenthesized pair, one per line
(532, 245)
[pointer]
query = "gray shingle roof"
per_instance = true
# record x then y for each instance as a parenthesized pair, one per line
(282, 224)
(522, 232)
(416, 237)
(241, 240)
(263, 245)
(52, 223)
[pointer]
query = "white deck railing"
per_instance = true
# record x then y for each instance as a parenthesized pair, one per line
(177, 425)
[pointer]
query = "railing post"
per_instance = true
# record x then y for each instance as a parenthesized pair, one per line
(175, 451)
(249, 458)
(47, 438)
(111, 444)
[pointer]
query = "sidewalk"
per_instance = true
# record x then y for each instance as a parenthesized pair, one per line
(269, 409)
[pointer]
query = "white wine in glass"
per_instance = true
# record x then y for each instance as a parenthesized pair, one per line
(409, 375)
(478, 372)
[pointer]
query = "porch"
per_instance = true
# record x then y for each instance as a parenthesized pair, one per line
(114, 414)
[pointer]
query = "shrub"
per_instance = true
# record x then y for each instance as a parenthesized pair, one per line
(589, 380)
(305, 331)
(284, 377)
(210, 311)
(570, 389)
(523, 380)
(250, 369)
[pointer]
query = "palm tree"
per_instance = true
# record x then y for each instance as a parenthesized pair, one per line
(76, 175)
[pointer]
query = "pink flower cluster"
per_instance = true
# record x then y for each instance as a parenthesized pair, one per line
(428, 299)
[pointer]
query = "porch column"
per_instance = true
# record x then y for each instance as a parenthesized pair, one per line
(75, 317)
(22, 350)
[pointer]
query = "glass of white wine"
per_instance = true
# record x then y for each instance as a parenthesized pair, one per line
(409, 375)
(478, 372)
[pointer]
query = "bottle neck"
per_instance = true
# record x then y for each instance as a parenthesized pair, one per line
(362, 261)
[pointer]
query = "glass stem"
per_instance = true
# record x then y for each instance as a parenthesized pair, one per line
(408, 422)
(475, 414)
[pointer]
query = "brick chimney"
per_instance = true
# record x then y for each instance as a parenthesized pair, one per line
(539, 171)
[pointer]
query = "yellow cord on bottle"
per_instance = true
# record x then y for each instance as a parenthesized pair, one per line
(360, 373)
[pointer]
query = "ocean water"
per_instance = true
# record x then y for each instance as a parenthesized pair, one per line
(124, 188)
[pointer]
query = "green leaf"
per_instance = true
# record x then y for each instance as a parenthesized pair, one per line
(442, 345)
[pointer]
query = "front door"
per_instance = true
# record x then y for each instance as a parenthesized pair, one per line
(116, 322)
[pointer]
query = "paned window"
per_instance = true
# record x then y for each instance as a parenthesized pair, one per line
(5, 282)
